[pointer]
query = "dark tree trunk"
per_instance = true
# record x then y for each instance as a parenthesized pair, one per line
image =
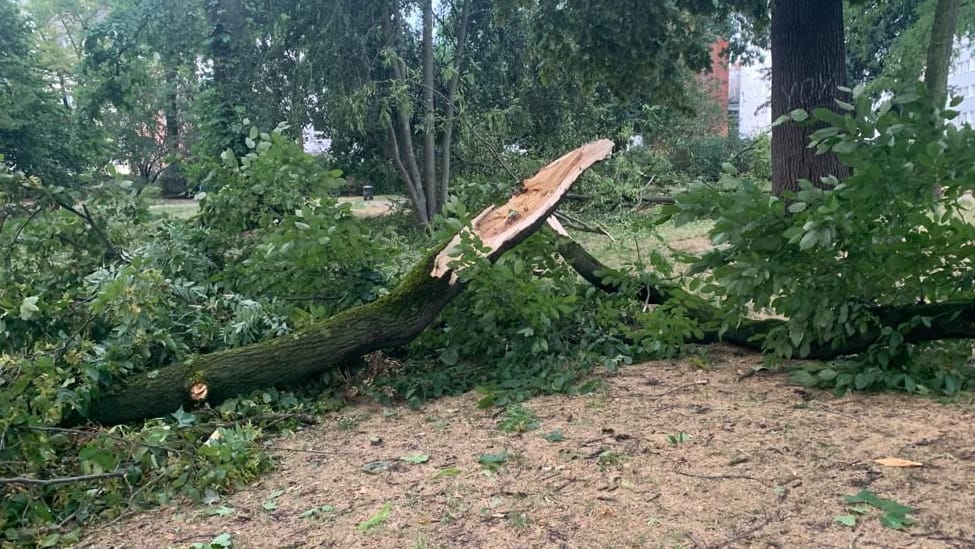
(172, 112)
(429, 114)
(808, 63)
(939, 51)
(226, 48)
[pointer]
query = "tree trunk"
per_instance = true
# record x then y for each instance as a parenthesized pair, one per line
(226, 49)
(808, 63)
(939, 50)
(172, 112)
(950, 320)
(388, 322)
(429, 115)
(448, 131)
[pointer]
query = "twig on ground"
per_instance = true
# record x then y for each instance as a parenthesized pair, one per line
(745, 533)
(26, 481)
(721, 477)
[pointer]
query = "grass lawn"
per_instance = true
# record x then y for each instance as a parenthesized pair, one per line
(185, 208)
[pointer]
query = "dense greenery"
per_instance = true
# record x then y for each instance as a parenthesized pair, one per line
(96, 285)
(830, 260)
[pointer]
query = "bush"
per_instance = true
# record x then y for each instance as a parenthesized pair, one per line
(828, 258)
(172, 181)
(702, 157)
(92, 291)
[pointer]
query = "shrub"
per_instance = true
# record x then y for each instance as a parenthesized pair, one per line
(172, 181)
(828, 258)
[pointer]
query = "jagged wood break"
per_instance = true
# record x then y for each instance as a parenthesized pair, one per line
(391, 321)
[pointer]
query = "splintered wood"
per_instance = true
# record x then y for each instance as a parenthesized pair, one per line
(501, 226)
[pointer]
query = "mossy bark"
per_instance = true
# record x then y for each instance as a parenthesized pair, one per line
(391, 321)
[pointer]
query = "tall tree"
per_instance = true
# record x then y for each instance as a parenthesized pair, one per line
(227, 89)
(808, 64)
(872, 31)
(39, 132)
(939, 50)
(140, 76)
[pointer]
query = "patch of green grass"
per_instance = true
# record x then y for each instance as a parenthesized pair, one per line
(179, 209)
(636, 240)
(518, 419)
(611, 460)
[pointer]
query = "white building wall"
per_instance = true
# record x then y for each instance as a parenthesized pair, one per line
(753, 86)
(961, 81)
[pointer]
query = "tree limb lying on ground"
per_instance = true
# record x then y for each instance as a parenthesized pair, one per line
(948, 320)
(391, 321)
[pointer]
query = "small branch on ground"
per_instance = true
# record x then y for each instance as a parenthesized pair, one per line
(721, 477)
(25, 481)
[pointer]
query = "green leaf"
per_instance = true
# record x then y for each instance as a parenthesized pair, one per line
(450, 356)
(809, 240)
(846, 520)
(446, 473)
(29, 308)
(844, 105)
(315, 511)
(377, 519)
(799, 115)
(493, 459)
(895, 521)
(555, 436)
(415, 458)
(798, 207)
(844, 147)
(183, 418)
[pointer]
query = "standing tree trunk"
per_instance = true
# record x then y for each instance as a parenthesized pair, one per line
(939, 50)
(429, 115)
(448, 131)
(227, 88)
(172, 112)
(808, 63)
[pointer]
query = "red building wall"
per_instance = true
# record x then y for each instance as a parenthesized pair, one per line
(716, 81)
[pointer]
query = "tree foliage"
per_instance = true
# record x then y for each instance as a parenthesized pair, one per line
(39, 131)
(812, 256)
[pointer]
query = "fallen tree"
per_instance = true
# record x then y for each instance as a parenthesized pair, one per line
(402, 315)
(948, 320)
(391, 321)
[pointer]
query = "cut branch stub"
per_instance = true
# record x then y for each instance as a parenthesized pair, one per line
(501, 227)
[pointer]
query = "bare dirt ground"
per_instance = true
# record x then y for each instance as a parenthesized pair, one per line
(668, 454)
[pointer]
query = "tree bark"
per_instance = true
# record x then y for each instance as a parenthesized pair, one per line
(388, 322)
(939, 50)
(429, 114)
(448, 131)
(949, 320)
(808, 63)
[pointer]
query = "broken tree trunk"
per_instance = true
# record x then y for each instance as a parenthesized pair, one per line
(391, 321)
(950, 320)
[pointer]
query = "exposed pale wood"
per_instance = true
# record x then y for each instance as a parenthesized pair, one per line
(498, 226)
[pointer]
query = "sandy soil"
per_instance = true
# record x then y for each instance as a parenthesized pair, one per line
(761, 463)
